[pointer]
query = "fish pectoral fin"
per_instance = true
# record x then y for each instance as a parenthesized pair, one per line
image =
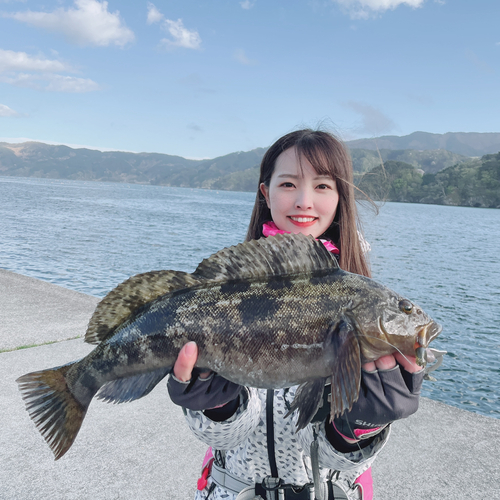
(127, 389)
(307, 401)
(346, 376)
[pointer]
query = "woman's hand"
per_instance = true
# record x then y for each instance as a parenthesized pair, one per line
(390, 390)
(198, 391)
(390, 361)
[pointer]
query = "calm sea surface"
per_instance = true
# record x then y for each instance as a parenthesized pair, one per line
(90, 236)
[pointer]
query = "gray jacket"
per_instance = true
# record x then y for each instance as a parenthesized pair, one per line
(243, 438)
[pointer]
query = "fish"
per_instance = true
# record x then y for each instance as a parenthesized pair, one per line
(268, 313)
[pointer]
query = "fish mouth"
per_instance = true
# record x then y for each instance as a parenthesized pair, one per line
(426, 334)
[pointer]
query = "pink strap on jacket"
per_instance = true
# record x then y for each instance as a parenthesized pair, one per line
(206, 469)
(365, 481)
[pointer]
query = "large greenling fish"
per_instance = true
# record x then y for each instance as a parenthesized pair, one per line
(268, 313)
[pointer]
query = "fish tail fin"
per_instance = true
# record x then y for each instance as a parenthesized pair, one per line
(57, 414)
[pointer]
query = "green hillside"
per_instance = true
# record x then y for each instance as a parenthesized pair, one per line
(474, 184)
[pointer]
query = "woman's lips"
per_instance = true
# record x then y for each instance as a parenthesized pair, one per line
(302, 221)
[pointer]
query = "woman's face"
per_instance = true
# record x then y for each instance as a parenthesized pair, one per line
(300, 200)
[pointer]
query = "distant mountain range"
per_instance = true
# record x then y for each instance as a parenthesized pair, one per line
(464, 143)
(34, 159)
(238, 171)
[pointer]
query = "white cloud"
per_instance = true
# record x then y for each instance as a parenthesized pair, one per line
(89, 23)
(6, 111)
(362, 9)
(373, 121)
(61, 83)
(51, 82)
(247, 4)
(241, 57)
(21, 61)
(154, 15)
(37, 72)
(182, 37)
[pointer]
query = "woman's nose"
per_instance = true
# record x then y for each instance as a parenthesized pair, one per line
(303, 200)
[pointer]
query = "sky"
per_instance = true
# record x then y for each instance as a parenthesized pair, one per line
(205, 78)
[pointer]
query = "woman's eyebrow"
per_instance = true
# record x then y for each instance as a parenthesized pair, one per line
(295, 176)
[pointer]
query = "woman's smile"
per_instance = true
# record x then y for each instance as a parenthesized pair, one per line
(302, 221)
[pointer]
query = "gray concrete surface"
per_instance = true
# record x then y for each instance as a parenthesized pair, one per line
(33, 311)
(143, 450)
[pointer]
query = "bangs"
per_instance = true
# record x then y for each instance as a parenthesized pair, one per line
(325, 156)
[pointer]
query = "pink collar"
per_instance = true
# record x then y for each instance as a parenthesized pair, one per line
(271, 229)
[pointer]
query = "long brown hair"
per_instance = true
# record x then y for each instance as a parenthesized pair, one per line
(328, 156)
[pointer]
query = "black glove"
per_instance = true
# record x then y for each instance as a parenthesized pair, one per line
(385, 396)
(202, 393)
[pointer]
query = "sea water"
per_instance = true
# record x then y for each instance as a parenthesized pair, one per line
(90, 236)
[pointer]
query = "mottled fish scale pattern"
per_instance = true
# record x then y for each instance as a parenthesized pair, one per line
(240, 319)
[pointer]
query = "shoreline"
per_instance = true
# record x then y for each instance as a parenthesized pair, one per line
(382, 202)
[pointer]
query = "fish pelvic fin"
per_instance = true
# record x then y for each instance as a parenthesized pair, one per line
(128, 389)
(278, 255)
(129, 297)
(346, 376)
(307, 400)
(57, 414)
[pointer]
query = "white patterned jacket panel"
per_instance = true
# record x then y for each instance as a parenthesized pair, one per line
(244, 439)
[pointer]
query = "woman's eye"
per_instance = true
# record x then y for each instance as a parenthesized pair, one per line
(287, 184)
(323, 186)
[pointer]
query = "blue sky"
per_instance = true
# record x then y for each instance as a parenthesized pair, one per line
(203, 78)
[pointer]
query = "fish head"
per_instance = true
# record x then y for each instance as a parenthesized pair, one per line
(396, 324)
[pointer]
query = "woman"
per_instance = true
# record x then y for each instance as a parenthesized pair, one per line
(305, 187)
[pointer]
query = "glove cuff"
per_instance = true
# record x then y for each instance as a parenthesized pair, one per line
(197, 377)
(359, 434)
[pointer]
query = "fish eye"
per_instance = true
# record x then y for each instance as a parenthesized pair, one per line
(405, 306)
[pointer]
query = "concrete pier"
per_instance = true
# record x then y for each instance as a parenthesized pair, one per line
(144, 450)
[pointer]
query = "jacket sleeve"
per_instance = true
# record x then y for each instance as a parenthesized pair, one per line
(230, 433)
(352, 463)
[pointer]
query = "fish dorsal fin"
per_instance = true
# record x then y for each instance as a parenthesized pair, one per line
(278, 255)
(128, 297)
